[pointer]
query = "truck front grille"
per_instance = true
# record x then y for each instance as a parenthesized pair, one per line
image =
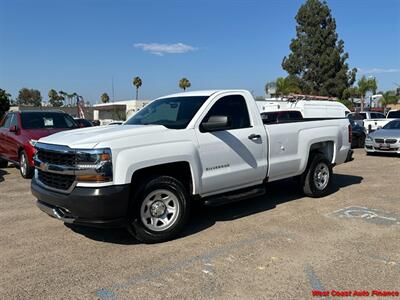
(56, 158)
(56, 181)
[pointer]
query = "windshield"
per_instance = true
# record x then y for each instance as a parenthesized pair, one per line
(392, 125)
(46, 120)
(393, 114)
(173, 113)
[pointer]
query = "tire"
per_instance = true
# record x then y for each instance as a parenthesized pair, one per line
(24, 168)
(3, 163)
(160, 210)
(317, 178)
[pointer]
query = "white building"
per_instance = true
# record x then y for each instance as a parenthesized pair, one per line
(118, 110)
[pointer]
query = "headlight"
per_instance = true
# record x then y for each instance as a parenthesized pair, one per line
(33, 142)
(368, 138)
(94, 165)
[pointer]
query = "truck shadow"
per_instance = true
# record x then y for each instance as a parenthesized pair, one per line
(2, 173)
(204, 217)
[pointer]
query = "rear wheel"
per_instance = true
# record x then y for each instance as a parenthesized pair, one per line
(316, 179)
(25, 169)
(160, 210)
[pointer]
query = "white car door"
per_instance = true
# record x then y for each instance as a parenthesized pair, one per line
(231, 158)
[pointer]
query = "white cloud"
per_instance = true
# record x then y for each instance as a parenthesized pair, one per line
(161, 49)
(377, 71)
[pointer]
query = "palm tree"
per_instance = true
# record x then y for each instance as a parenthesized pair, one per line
(284, 86)
(137, 82)
(366, 85)
(63, 95)
(74, 95)
(105, 98)
(389, 97)
(184, 83)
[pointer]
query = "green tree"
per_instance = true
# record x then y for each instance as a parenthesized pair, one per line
(4, 102)
(104, 98)
(55, 99)
(286, 86)
(388, 98)
(184, 83)
(366, 85)
(137, 82)
(29, 97)
(317, 59)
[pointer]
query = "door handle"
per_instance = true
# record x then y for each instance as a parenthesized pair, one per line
(254, 137)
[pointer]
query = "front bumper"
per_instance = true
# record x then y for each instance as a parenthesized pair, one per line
(98, 207)
(372, 147)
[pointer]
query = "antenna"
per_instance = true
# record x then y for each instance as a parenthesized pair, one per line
(112, 87)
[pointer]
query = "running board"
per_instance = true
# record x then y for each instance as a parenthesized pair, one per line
(235, 196)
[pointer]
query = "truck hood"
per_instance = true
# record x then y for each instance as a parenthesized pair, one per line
(89, 137)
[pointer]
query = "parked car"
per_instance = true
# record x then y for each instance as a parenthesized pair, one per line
(19, 132)
(373, 124)
(207, 146)
(358, 133)
(384, 140)
(82, 123)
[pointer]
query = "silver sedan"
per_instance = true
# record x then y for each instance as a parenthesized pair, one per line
(384, 140)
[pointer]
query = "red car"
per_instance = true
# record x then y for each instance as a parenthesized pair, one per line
(20, 130)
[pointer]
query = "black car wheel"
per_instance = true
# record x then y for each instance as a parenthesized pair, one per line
(160, 210)
(25, 169)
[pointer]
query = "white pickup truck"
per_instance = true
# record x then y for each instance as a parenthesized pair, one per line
(207, 146)
(375, 123)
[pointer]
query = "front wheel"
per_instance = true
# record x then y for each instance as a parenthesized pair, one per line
(316, 179)
(25, 169)
(160, 210)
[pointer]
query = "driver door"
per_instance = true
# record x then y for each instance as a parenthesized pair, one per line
(232, 158)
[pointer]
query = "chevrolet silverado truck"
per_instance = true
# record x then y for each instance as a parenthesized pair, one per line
(208, 147)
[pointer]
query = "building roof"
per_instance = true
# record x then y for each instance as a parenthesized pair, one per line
(120, 102)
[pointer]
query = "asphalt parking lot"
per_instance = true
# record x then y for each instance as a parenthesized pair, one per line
(280, 246)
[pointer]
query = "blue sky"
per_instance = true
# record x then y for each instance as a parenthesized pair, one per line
(79, 46)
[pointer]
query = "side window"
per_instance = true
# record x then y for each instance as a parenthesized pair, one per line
(14, 120)
(7, 121)
(295, 115)
(363, 115)
(269, 118)
(235, 108)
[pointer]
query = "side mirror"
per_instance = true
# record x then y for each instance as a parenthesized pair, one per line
(215, 123)
(13, 129)
(380, 127)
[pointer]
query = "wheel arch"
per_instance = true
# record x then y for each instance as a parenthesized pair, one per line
(180, 170)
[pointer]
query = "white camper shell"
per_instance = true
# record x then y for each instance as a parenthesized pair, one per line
(308, 108)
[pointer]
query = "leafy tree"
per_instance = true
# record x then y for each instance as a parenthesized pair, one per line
(30, 97)
(105, 98)
(137, 82)
(347, 103)
(317, 59)
(55, 99)
(389, 97)
(285, 86)
(184, 83)
(366, 85)
(4, 102)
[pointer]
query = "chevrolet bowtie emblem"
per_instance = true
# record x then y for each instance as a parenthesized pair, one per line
(43, 166)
